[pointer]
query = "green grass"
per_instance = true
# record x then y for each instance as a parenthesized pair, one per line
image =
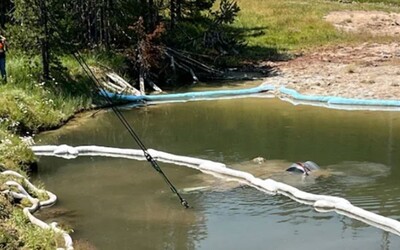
(291, 25)
(23, 235)
(28, 106)
(394, 2)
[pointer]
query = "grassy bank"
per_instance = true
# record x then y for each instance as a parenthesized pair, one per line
(28, 106)
(386, 2)
(272, 27)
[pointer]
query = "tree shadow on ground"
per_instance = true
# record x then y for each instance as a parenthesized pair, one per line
(257, 52)
(264, 53)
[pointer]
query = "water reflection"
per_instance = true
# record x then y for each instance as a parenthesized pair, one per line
(123, 204)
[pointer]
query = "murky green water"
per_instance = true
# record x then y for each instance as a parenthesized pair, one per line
(124, 204)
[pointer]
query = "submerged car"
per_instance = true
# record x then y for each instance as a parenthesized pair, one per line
(303, 167)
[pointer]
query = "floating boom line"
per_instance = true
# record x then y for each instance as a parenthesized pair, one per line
(321, 203)
(17, 191)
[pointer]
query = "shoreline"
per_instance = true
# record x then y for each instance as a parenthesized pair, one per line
(366, 71)
(339, 103)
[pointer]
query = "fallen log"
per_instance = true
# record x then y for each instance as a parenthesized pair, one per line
(154, 86)
(123, 84)
(190, 61)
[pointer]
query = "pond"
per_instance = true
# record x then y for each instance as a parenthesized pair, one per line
(124, 204)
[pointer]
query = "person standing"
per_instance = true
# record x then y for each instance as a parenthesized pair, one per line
(3, 49)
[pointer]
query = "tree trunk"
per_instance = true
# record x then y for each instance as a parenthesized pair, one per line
(102, 22)
(153, 13)
(2, 13)
(179, 10)
(141, 83)
(109, 10)
(173, 13)
(5, 7)
(44, 40)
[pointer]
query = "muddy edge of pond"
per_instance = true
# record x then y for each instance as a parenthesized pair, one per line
(367, 71)
(363, 71)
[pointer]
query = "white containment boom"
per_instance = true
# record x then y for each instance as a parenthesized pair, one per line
(321, 203)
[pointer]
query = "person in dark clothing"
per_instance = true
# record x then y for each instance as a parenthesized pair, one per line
(3, 49)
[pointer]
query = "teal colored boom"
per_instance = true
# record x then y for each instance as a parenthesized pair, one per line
(191, 95)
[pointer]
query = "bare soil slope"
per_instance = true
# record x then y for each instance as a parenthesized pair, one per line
(368, 70)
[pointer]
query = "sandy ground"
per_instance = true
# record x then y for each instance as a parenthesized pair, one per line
(368, 70)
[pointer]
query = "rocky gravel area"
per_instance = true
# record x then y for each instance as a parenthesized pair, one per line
(368, 70)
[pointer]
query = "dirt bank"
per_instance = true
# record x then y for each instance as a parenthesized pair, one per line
(377, 23)
(368, 70)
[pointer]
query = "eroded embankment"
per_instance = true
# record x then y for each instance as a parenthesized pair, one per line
(370, 70)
